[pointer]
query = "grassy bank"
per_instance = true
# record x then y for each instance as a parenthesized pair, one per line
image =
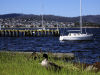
(22, 64)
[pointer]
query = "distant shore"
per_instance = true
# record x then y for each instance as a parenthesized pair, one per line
(49, 27)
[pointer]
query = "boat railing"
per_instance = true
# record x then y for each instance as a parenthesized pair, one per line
(73, 30)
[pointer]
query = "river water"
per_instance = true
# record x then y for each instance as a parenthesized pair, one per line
(85, 51)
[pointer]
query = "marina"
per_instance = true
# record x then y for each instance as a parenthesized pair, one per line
(49, 37)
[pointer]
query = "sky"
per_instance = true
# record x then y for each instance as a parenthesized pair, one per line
(67, 8)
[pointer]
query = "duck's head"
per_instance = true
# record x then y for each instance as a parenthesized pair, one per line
(45, 56)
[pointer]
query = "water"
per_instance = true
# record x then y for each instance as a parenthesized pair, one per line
(85, 51)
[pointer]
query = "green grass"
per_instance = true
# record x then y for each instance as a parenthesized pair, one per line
(21, 64)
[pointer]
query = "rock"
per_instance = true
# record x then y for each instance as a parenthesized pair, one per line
(81, 65)
(97, 65)
(91, 68)
(63, 55)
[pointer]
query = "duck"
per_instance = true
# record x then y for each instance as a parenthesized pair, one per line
(34, 55)
(49, 65)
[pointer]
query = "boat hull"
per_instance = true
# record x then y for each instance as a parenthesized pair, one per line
(85, 37)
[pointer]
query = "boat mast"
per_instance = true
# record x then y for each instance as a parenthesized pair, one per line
(42, 15)
(57, 26)
(81, 16)
(43, 23)
(0, 26)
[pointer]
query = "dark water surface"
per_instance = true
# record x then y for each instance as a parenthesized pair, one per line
(85, 51)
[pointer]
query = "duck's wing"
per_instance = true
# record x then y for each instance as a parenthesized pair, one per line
(54, 65)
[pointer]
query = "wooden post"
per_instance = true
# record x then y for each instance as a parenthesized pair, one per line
(38, 33)
(0, 33)
(52, 32)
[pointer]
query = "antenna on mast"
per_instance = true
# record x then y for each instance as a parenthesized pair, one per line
(81, 16)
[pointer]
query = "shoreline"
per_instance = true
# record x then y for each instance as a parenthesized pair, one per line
(22, 56)
(31, 60)
(58, 55)
(52, 27)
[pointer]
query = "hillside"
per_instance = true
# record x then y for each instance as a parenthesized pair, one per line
(88, 18)
(30, 20)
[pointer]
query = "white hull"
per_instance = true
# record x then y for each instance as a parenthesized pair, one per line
(77, 37)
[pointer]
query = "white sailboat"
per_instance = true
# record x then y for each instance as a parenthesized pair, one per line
(77, 36)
